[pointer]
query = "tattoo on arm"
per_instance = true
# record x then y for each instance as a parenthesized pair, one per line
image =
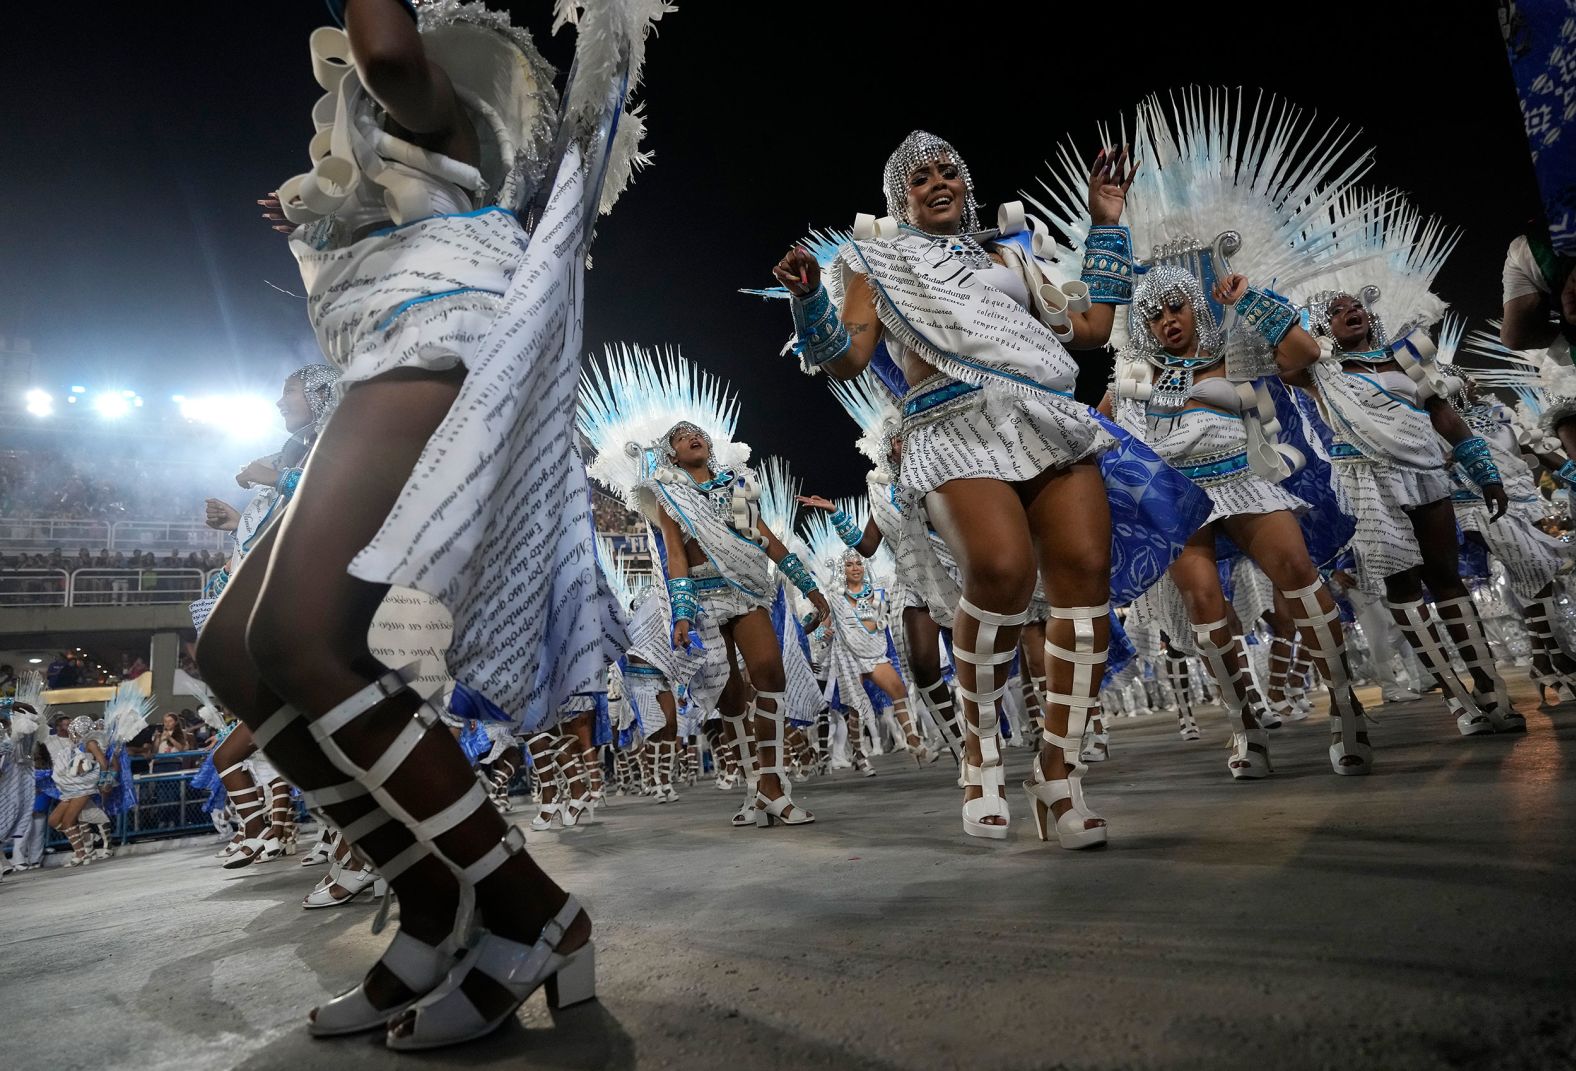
(857, 329)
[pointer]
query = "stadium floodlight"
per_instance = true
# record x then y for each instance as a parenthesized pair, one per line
(241, 416)
(40, 403)
(111, 404)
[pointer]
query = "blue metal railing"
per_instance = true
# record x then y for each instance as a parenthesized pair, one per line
(166, 803)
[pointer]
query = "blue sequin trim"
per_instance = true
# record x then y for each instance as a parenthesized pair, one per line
(1215, 470)
(1108, 265)
(939, 396)
(1345, 452)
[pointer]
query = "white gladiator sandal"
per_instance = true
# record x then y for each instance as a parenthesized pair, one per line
(782, 809)
(738, 723)
(1477, 655)
(418, 966)
(1418, 627)
(990, 775)
(1250, 748)
(1547, 648)
(1072, 826)
(1350, 751)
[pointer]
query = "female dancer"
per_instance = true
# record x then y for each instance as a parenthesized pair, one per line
(691, 482)
(452, 326)
(898, 521)
(254, 789)
(861, 611)
(1531, 559)
(1384, 398)
(1196, 380)
(24, 713)
(992, 439)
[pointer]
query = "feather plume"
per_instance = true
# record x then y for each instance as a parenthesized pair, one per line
(1389, 261)
(870, 405)
(823, 246)
(127, 712)
(631, 398)
(610, 57)
(30, 692)
(626, 584)
(1212, 163)
(211, 716)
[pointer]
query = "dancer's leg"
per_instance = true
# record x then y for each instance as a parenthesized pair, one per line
(1070, 520)
(359, 466)
(1199, 581)
(985, 525)
(1275, 542)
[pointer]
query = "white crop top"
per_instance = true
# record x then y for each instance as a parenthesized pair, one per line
(1216, 391)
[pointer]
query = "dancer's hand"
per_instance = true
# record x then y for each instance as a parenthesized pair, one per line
(1498, 501)
(221, 515)
(822, 610)
(681, 635)
(1229, 291)
(1109, 180)
(816, 502)
(257, 474)
(274, 214)
(799, 272)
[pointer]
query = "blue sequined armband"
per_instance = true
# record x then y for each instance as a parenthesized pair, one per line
(796, 572)
(821, 336)
(1567, 473)
(1476, 461)
(1267, 313)
(1108, 265)
(846, 531)
(289, 479)
(682, 598)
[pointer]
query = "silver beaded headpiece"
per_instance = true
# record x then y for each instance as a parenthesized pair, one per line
(316, 382)
(1319, 314)
(917, 150)
(80, 726)
(1165, 285)
(684, 427)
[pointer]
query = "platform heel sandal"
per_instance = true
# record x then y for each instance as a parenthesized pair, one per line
(1250, 745)
(1417, 625)
(1072, 827)
(1479, 657)
(1350, 750)
(782, 809)
(988, 664)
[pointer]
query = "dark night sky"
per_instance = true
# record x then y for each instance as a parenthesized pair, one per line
(139, 135)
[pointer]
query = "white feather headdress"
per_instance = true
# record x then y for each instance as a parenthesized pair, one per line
(626, 584)
(1538, 378)
(870, 404)
(631, 400)
(1390, 262)
(29, 692)
(127, 712)
(1223, 183)
(779, 488)
(827, 549)
(1211, 164)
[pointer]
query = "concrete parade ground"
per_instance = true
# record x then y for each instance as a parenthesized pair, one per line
(1421, 917)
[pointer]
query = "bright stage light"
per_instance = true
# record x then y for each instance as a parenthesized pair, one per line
(242, 416)
(112, 405)
(40, 403)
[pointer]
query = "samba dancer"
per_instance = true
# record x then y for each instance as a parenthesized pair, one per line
(1384, 399)
(992, 439)
(447, 468)
(691, 482)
